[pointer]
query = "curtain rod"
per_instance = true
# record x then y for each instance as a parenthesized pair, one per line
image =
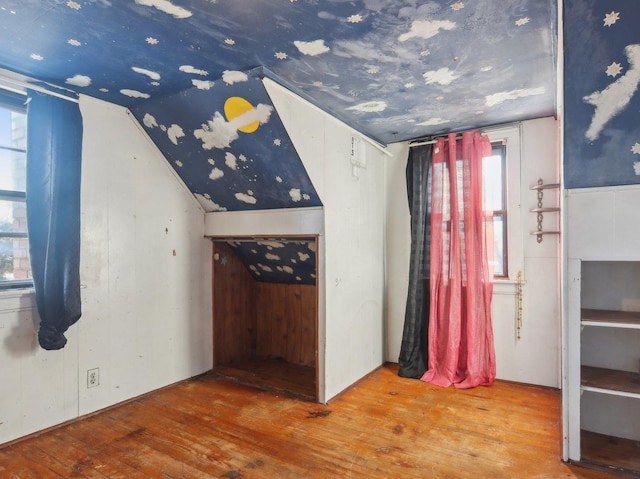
(434, 139)
(431, 142)
(19, 84)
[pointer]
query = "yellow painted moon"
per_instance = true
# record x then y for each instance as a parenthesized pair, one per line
(236, 106)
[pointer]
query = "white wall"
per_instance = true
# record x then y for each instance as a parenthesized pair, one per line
(352, 256)
(145, 273)
(535, 358)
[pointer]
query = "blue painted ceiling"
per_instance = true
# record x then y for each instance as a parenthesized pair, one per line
(392, 69)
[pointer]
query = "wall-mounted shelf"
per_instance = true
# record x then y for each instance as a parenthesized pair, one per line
(539, 187)
(545, 186)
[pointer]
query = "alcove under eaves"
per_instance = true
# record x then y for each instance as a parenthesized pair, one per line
(267, 165)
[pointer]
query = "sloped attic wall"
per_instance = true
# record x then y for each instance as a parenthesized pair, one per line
(277, 260)
(227, 143)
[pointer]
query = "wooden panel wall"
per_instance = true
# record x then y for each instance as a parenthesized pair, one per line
(234, 308)
(286, 322)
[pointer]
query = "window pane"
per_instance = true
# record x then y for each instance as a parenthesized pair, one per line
(492, 179)
(498, 239)
(13, 129)
(13, 217)
(14, 259)
(14, 251)
(13, 175)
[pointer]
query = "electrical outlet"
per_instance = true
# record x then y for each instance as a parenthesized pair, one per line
(93, 377)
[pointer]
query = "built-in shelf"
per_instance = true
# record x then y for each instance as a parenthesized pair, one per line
(610, 381)
(610, 451)
(611, 319)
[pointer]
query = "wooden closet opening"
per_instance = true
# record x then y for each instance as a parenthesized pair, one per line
(265, 313)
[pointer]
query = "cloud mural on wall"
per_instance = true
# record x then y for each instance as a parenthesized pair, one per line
(602, 74)
(228, 145)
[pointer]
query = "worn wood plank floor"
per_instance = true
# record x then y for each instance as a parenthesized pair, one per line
(383, 427)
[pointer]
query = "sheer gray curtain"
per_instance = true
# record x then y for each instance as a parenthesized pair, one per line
(413, 351)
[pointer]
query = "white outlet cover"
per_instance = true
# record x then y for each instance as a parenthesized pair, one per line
(93, 378)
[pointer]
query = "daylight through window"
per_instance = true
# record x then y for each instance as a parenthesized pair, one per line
(494, 179)
(15, 270)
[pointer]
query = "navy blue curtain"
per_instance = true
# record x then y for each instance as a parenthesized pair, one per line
(413, 350)
(54, 153)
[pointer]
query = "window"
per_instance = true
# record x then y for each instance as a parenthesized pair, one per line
(15, 269)
(502, 189)
(494, 185)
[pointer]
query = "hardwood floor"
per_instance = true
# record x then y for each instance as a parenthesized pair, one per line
(275, 375)
(382, 427)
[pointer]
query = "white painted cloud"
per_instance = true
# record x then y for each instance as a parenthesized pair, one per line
(312, 246)
(207, 204)
(370, 106)
(149, 121)
(151, 74)
(233, 76)
(174, 132)
(230, 160)
(303, 256)
(216, 133)
(271, 256)
(202, 84)
(134, 93)
(442, 76)
(261, 113)
(191, 69)
(166, 6)
(216, 173)
(246, 198)
(272, 244)
(314, 48)
(266, 268)
(614, 98)
(363, 50)
(287, 269)
(295, 194)
(433, 122)
(497, 98)
(636, 167)
(425, 29)
(79, 80)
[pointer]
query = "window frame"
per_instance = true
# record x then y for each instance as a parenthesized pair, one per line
(510, 137)
(14, 102)
(499, 148)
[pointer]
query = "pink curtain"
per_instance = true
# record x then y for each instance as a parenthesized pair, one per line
(460, 334)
